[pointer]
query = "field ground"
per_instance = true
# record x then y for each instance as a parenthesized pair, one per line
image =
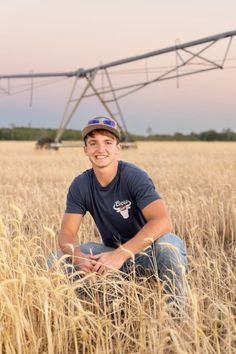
(43, 311)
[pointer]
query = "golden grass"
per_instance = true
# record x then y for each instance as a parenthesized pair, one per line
(44, 311)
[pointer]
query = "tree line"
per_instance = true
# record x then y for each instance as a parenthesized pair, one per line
(28, 133)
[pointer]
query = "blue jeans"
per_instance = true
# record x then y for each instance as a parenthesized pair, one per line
(166, 258)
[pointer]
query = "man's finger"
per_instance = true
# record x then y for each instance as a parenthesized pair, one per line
(88, 268)
(96, 256)
(85, 269)
(93, 262)
(97, 267)
(102, 270)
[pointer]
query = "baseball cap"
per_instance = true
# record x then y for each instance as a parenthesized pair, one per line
(101, 123)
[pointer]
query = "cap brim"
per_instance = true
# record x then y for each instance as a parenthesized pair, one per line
(89, 128)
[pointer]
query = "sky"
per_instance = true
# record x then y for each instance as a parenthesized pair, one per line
(64, 35)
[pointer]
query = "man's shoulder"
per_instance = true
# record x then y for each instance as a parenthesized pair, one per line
(83, 179)
(131, 169)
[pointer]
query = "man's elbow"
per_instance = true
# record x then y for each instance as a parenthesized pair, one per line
(163, 225)
(61, 240)
(66, 241)
(167, 225)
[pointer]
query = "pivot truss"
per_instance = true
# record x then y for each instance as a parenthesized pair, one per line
(190, 58)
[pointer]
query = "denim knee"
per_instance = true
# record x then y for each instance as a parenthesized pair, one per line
(170, 252)
(54, 257)
(94, 248)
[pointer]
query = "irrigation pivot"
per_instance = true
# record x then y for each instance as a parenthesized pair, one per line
(185, 54)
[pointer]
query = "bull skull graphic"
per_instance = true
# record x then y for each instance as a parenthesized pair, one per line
(122, 208)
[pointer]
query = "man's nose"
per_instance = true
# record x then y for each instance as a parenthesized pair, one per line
(100, 147)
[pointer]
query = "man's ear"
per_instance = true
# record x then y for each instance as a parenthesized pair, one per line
(119, 147)
(85, 149)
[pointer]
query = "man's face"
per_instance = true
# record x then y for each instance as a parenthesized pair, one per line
(102, 150)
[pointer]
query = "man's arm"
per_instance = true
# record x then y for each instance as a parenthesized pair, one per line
(158, 223)
(67, 241)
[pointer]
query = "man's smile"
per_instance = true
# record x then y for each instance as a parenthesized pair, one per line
(101, 156)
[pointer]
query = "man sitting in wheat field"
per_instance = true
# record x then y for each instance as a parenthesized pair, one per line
(130, 215)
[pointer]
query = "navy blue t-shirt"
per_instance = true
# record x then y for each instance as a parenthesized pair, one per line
(116, 208)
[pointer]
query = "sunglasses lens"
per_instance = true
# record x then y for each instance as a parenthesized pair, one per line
(109, 122)
(94, 121)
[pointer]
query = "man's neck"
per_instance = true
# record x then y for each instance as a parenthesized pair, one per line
(107, 174)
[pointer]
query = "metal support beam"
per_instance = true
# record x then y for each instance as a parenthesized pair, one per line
(82, 72)
(116, 102)
(68, 116)
(165, 76)
(103, 102)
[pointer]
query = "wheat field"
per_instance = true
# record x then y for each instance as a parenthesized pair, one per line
(45, 311)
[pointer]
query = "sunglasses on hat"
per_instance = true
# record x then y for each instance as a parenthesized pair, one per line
(101, 120)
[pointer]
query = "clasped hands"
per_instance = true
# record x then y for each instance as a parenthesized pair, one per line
(101, 263)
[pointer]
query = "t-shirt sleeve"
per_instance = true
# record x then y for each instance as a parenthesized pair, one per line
(75, 203)
(142, 188)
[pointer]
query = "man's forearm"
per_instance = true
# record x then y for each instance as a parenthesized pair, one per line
(151, 231)
(67, 243)
(69, 246)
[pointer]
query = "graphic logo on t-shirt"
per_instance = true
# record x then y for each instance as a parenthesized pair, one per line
(122, 208)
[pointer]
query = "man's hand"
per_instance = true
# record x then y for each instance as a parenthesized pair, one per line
(85, 262)
(109, 261)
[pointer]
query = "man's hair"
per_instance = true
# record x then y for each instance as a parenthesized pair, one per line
(102, 132)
